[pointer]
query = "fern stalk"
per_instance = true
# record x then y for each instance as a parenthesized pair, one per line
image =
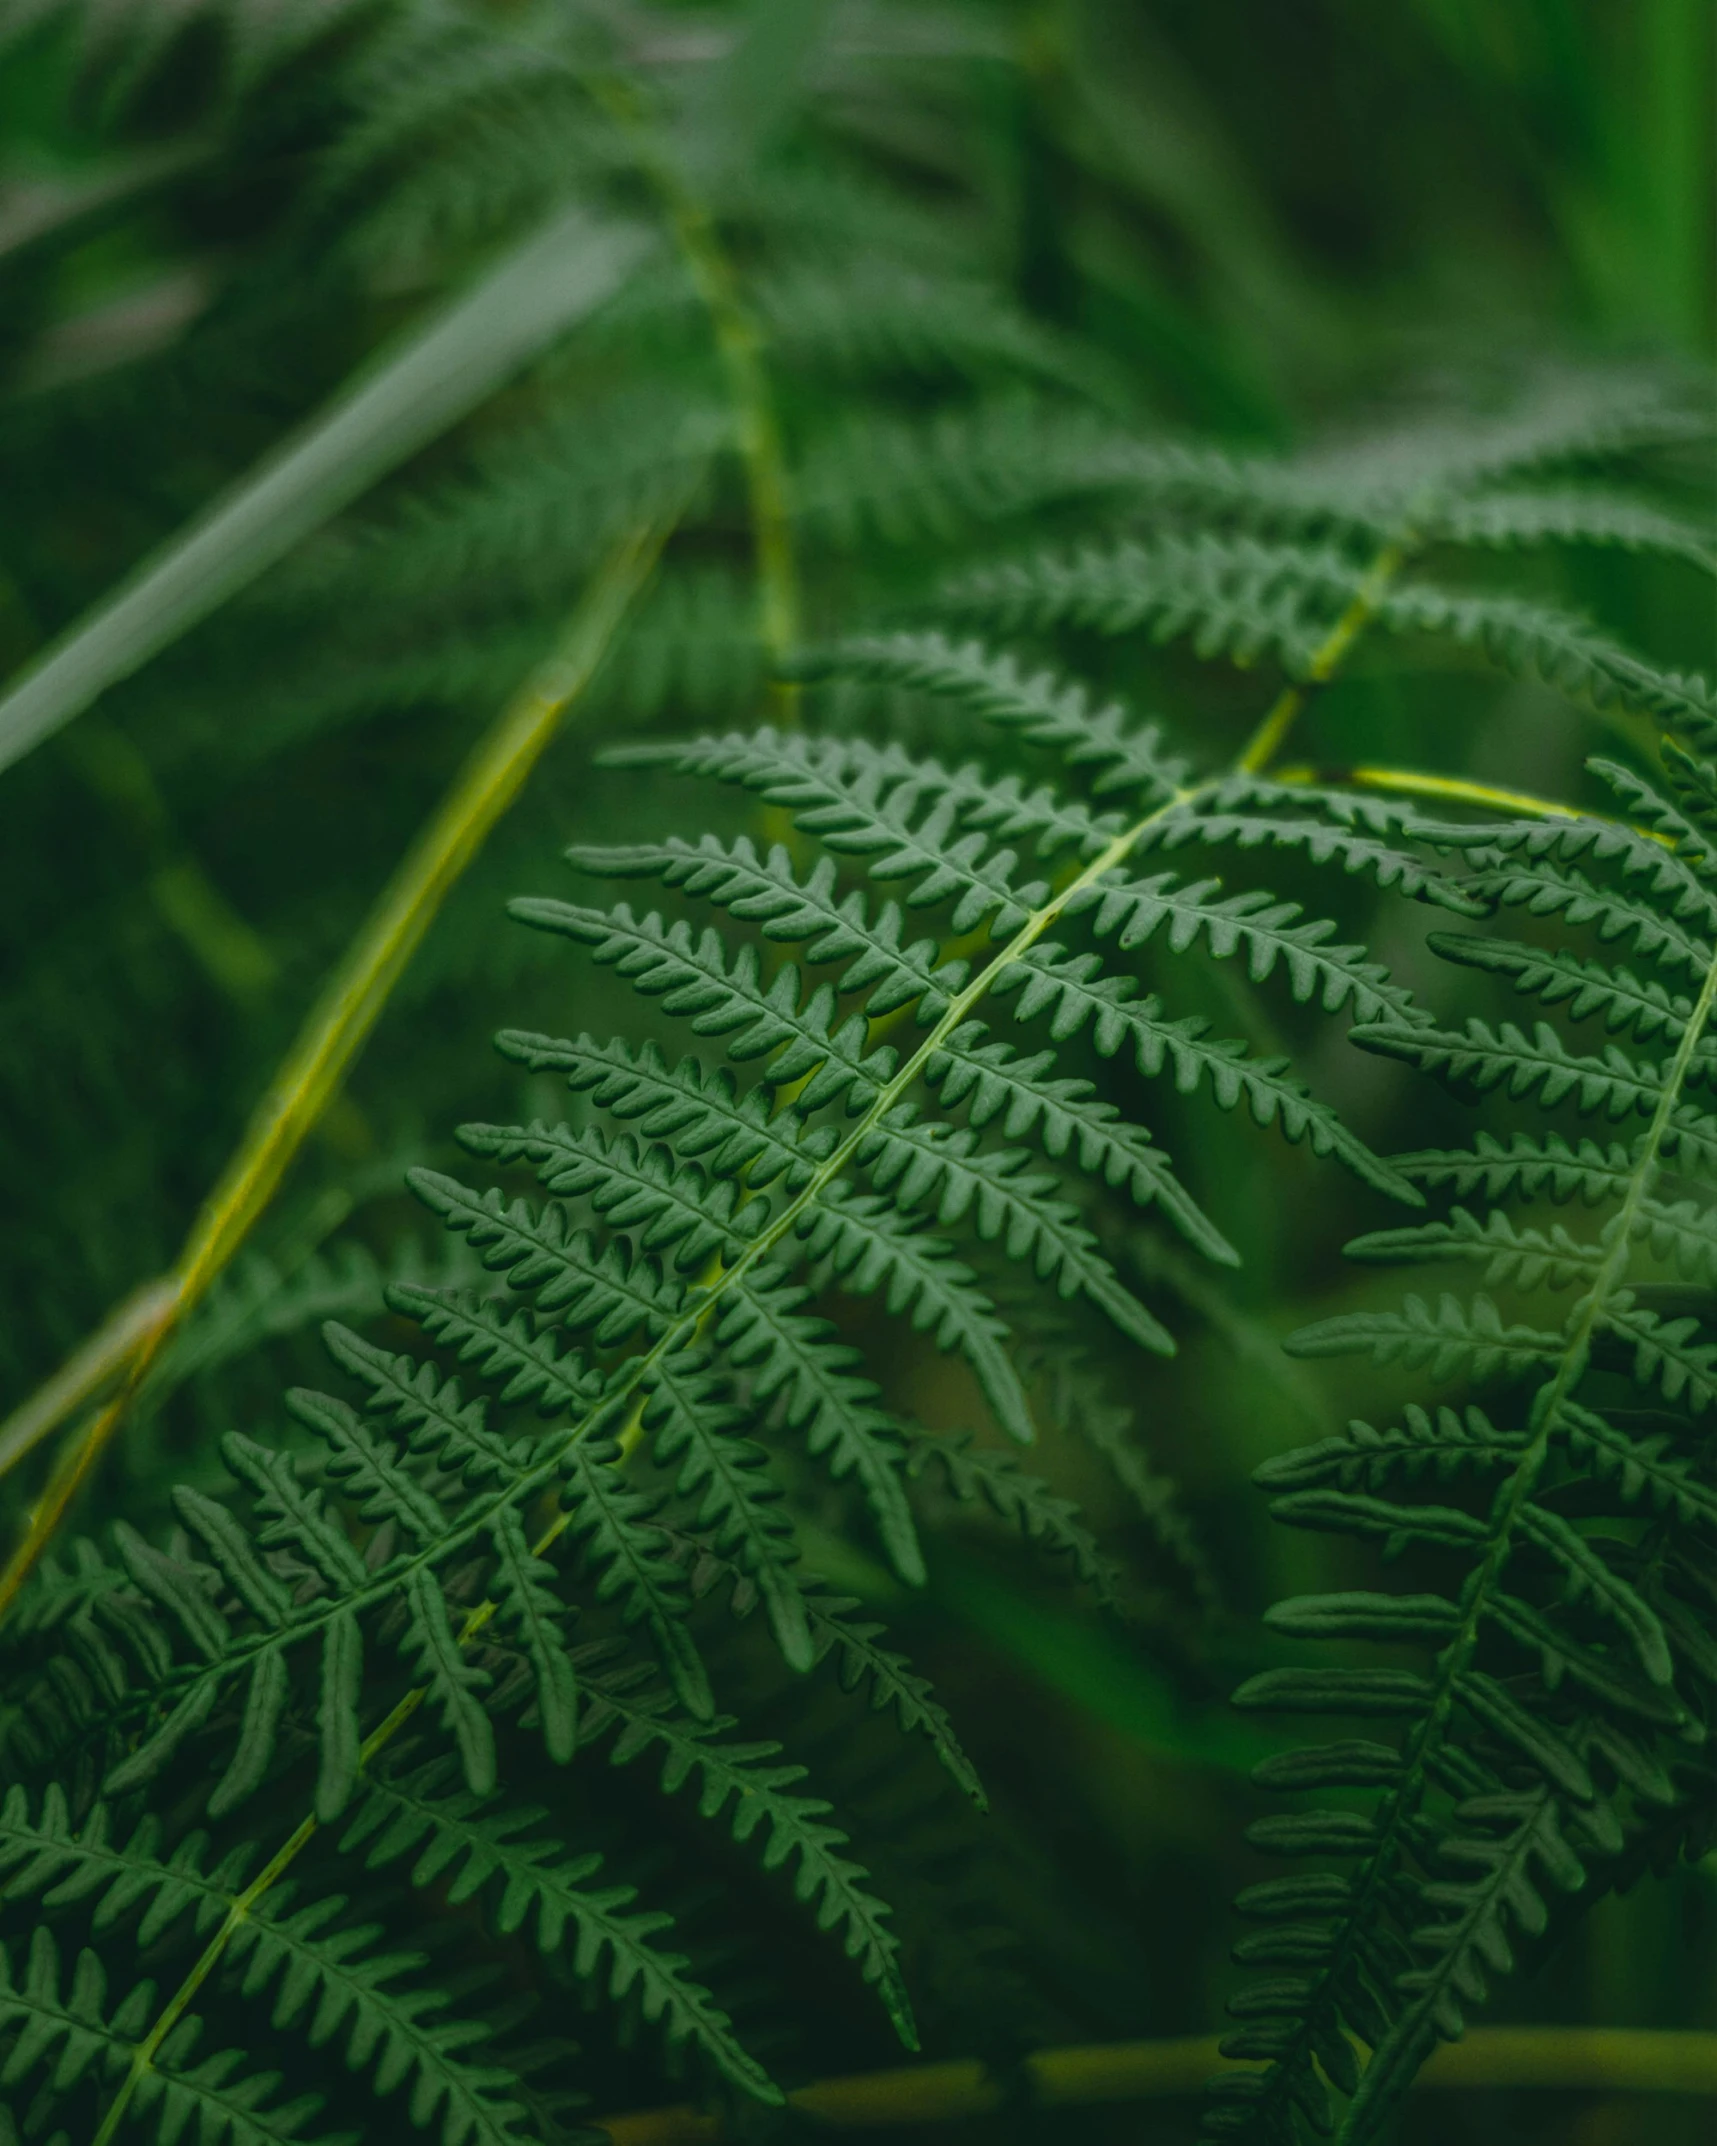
(331, 1038)
(739, 343)
(1606, 2059)
(1453, 790)
(89, 1368)
(1272, 732)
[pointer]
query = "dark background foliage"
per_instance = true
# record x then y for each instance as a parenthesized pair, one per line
(1248, 220)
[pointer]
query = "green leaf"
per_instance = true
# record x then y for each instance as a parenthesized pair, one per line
(761, 1328)
(337, 1718)
(529, 1605)
(465, 1842)
(635, 1563)
(453, 1681)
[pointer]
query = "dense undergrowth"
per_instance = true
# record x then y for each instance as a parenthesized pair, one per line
(1041, 798)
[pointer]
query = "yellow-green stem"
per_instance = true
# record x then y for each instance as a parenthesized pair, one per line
(144, 2055)
(1457, 790)
(89, 1369)
(1268, 738)
(739, 342)
(335, 1030)
(1441, 789)
(1603, 2059)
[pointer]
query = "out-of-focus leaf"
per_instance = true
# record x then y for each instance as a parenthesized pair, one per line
(556, 277)
(749, 95)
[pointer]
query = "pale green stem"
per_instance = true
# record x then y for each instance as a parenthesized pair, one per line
(1595, 2059)
(1267, 740)
(1443, 789)
(739, 342)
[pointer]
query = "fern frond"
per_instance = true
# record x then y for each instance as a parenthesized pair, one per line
(1524, 1166)
(861, 800)
(612, 1520)
(664, 1356)
(697, 1428)
(307, 1956)
(1538, 1065)
(1242, 597)
(1537, 641)
(71, 2033)
(1503, 1778)
(706, 1116)
(1441, 1444)
(311, 1961)
(1470, 1340)
(586, 1285)
(1072, 990)
(455, 1837)
(1555, 415)
(891, 1681)
(881, 316)
(768, 892)
(996, 1081)
(869, 1245)
(1543, 888)
(1040, 707)
(972, 1472)
(1673, 887)
(1560, 977)
(741, 1784)
(764, 1331)
(1271, 933)
(692, 977)
(1516, 515)
(1263, 815)
(929, 1163)
(1246, 597)
(908, 479)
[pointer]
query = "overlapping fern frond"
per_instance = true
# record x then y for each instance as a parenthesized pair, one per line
(893, 1012)
(662, 1341)
(1558, 1525)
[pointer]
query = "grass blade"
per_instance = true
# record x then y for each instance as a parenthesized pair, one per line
(393, 407)
(333, 1033)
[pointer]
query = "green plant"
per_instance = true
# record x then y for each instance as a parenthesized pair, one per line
(313, 1756)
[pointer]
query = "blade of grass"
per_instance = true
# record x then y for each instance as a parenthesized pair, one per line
(330, 1039)
(58, 213)
(393, 407)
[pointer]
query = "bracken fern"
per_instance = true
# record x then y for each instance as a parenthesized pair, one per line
(772, 1284)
